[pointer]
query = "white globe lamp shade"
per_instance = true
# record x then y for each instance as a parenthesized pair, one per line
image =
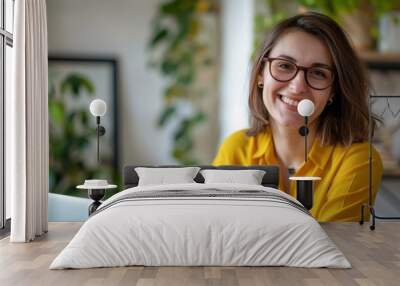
(98, 107)
(305, 107)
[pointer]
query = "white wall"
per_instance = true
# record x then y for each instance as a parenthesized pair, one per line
(122, 29)
(237, 45)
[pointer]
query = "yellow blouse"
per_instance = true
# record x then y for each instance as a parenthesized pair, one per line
(343, 170)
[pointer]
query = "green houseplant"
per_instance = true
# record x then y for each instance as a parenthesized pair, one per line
(358, 17)
(180, 53)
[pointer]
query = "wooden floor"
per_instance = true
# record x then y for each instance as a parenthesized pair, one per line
(375, 256)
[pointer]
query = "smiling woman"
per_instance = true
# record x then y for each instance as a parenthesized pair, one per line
(309, 57)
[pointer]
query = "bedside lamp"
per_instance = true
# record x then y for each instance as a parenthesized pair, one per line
(305, 108)
(98, 108)
(305, 185)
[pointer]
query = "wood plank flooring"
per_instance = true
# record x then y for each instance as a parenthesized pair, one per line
(374, 255)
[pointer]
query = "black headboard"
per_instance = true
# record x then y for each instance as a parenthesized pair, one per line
(270, 179)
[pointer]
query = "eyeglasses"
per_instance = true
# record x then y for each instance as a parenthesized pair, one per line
(316, 77)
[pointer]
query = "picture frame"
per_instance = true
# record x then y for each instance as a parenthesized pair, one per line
(74, 81)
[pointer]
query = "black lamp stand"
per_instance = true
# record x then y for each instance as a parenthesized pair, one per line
(304, 188)
(97, 194)
(304, 132)
(100, 130)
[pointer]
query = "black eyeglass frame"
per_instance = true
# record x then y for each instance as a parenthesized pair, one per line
(298, 68)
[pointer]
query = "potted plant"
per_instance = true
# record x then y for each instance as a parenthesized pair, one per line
(359, 18)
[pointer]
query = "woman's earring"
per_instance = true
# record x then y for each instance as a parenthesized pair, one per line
(260, 85)
(330, 101)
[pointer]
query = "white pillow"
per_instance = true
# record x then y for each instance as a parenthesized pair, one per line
(163, 176)
(248, 177)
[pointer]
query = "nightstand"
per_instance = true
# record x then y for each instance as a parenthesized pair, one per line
(96, 190)
(305, 190)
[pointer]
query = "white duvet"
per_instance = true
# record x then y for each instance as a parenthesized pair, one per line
(200, 231)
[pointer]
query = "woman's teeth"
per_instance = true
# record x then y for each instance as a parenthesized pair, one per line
(289, 101)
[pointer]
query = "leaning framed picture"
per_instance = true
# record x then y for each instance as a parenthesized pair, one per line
(74, 81)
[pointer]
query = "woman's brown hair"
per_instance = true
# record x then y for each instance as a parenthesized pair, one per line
(345, 121)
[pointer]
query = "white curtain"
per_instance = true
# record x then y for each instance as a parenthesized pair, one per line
(27, 142)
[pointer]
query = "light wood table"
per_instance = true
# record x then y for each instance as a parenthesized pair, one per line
(374, 255)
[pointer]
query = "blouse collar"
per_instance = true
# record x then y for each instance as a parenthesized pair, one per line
(318, 155)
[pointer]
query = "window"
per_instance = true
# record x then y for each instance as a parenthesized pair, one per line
(6, 44)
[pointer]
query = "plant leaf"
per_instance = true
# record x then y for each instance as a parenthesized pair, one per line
(76, 83)
(56, 111)
(159, 36)
(166, 115)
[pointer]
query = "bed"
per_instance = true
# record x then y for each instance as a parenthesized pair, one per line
(201, 224)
